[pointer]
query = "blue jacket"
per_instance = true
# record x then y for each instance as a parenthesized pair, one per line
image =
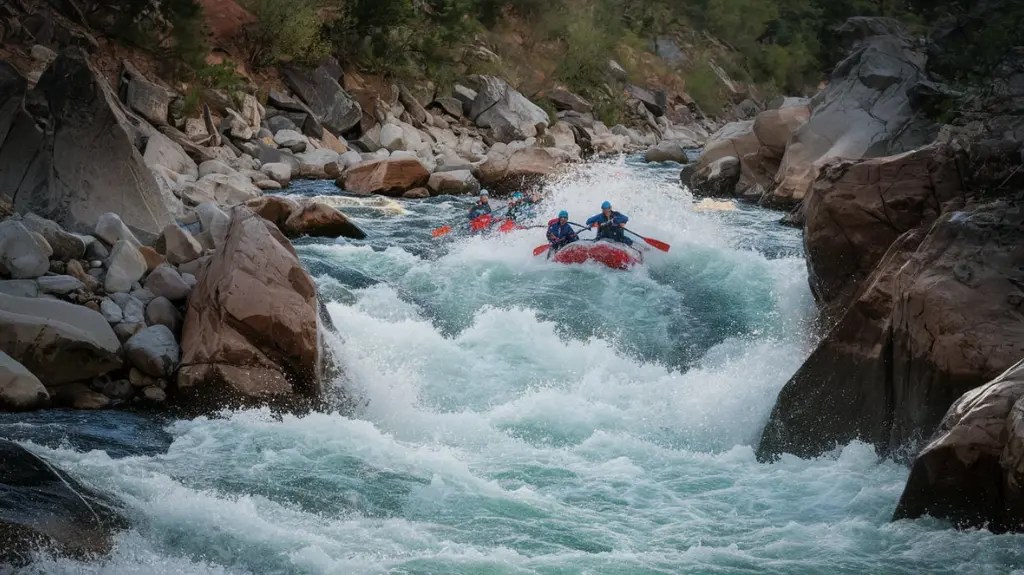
(599, 219)
(479, 209)
(559, 234)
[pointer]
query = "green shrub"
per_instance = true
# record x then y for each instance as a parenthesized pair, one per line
(705, 87)
(288, 30)
(221, 76)
(584, 66)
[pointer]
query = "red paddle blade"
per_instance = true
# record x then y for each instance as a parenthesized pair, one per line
(441, 231)
(657, 244)
(540, 249)
(481, 222)
(509, 225)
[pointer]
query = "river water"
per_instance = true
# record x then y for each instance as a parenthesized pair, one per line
(510, 415)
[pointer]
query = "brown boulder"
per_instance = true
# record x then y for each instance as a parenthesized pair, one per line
(934, 321)
(857, 209)
(274, 209)
(737, 140)
(320, 220)
(251, 328)
(775, 128)
(972, 470)
(504, 171)
(153, 259)
(389, 177)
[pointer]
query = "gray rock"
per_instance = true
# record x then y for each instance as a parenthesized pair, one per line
(154, 351)
(190, 280)
(96, 263)
(144, 97)
(59, 285)
(716, 180)
(125, 267)
(509, 114)
(292, 140)
(154, 395)
(451, 106)
(180, 246)
(19, 288)
(125, 330)
(465, 96)
(19, 389)
(214, 221)
(666, 152)
(111, 311)
(141, 380)
(167, 156)
(88, 163)
(111, 229)
(161, 311)
(143, 295)
(164, 281)
(453, 182)
(221, 189)
(215, 167)
(21, 256)
(280, 173)
(116, 389)
(66, 246)
(96, 251)
(281, 122)
(566, 100)
(332, 106)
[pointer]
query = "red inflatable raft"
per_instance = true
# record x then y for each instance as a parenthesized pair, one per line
(612, 254)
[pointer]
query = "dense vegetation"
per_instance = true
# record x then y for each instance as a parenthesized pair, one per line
(786, 43)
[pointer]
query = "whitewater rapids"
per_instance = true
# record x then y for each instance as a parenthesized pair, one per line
(517, 416)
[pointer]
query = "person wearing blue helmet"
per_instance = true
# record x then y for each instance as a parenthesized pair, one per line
(482, 207)
(609, 224)
(515, 207)
(560, 233)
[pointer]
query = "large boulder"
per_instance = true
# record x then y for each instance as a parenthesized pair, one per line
(19, 389)
(46, 507)
(865, 110)
(736, 140)
(65, 246)
(455, 182)
(775, 128)
(972, 470)
(509, 114)
(125, 267)
(717, 179)
(317, 219)
(144, 97)
(566, 100)
(666, 151)
(57, 341)
(940, 315)
(21, 256)
(154, 351)
(220, 189)
(65, 179)
(562, 136)
(857, 209)
(251, 328)
(389, 177)
(319, 89)
(508, 171)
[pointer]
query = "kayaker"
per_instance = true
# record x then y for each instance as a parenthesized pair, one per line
(609, 224)
(482, 207)
(560, 233)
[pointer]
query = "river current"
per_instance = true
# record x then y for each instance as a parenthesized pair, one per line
(509, 415)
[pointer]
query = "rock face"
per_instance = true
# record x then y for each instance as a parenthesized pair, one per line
(389, 177)
(939, 316)
(972, 470)
(251, 327)
(19, 389)
(64, 178)
(333, 107)
(57, 341)
(44, 505)
(864, 112)
(509, 114)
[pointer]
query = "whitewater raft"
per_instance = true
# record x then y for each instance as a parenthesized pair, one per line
(615, 255)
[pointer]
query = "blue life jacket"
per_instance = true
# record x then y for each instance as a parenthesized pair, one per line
(610, 229)
(479, 209)
(560, 235)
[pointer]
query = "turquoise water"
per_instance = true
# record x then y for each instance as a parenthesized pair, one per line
(516, 416)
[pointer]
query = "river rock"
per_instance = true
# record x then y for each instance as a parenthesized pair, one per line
(220, 189)
(19, 288)
(65, 246)
(317, 219)
(59, 284)
(161, 311)
(153, 259)
(144, 97)
(46, 506)
(75, 186)
(57, 341)
(566, 100)
(972, 470)
(666, 152)
(19, 389)
(154, 351)
(451, 106)
(274, 209)
(333, 107)
(416, 194)
(455, 182)
(864, 111)
(77, 271)
(938, 317)
(392, 137)
(165, 281)
(215, 167)
(250, 332)
(775, 128)
(717, 179)
(125, 267)
(43, 245)
(280, 172)
(111, 311)
(180, 246)
(388, 177)
(505, 171)
(21, 256)
(292, 140)
(509, 114)
(111, 229)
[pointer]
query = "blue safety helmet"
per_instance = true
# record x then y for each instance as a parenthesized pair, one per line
(563, 214)
(517, 196)
(606, 206)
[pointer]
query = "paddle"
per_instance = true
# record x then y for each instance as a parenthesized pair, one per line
(473, 224)
(660, 245)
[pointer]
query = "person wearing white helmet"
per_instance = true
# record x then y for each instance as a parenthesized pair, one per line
(481, 207)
